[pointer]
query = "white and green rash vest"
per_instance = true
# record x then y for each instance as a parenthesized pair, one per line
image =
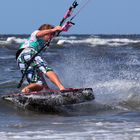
(33, 42)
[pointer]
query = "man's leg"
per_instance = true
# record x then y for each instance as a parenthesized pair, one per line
(32, 87)
(54, 78)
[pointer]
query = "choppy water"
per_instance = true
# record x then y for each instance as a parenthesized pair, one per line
(110, 64)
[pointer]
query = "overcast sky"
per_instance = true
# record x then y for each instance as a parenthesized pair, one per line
(99, 16)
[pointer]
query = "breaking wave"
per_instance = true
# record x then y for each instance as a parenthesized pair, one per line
(92, 40)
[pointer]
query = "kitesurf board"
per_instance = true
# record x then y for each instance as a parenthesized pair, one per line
(50, 99)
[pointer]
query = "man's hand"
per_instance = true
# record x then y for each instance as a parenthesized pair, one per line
(57, 28)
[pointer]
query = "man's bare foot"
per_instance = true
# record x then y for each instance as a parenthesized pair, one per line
(62, 88)
(25, 90)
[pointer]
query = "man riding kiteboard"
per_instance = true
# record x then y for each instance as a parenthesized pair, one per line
(28, 49)
(28, 56)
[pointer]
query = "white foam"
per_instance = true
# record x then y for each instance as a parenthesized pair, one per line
(11, 40)
(114, 91)
(116, 84)
(94, 41)
(7, 57)
(4, 43)
(15, 40)
(91, 129)
(60, 42)
(99, 124)
(121, 87)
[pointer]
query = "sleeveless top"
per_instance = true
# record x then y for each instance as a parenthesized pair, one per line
(33, 42)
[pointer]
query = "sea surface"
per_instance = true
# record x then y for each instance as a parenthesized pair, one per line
(109, 64)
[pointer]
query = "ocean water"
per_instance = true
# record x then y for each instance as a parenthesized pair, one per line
(110, 64)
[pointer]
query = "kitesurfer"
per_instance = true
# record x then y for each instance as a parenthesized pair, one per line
(28, 49)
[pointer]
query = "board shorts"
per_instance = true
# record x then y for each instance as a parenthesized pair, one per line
(36, 69)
